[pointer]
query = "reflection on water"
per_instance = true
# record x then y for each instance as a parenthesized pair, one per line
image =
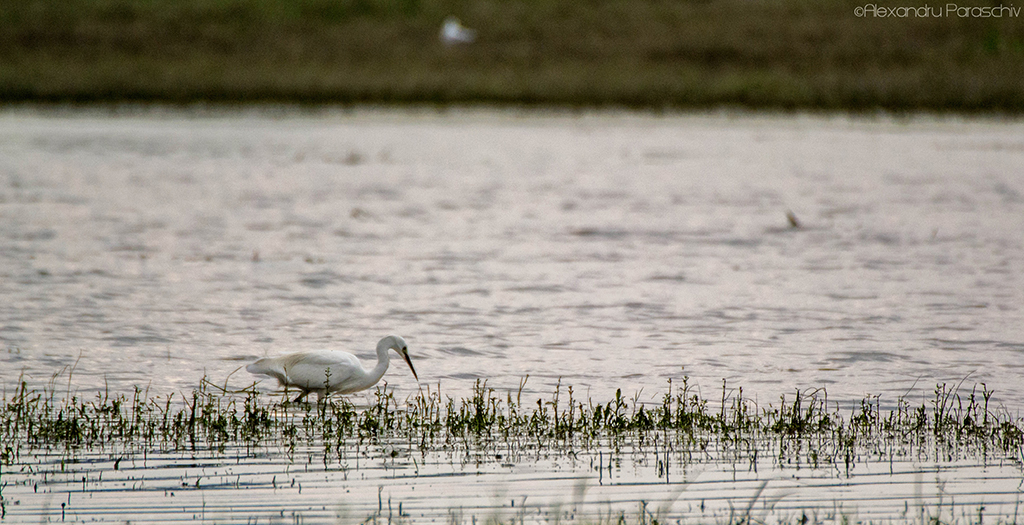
(391, 484)
(609, 250)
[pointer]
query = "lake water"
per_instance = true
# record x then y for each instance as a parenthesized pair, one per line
(604, 250)
(240, 486)
(609, 250)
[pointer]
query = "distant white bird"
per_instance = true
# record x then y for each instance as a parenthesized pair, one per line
(453, 32)
(326, 371)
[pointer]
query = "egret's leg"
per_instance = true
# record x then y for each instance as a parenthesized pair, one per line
(301, 396)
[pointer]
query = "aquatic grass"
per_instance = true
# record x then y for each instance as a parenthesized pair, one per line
(38, 419)
(803, 428)
(658, 435)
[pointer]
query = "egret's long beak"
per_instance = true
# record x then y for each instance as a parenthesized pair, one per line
(405, 355)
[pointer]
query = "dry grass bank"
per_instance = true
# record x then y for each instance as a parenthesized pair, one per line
(811, 54)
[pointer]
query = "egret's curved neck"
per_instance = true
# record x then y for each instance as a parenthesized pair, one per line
(373, 376)
(383, 360)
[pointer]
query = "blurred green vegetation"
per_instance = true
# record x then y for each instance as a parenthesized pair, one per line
(780, 54)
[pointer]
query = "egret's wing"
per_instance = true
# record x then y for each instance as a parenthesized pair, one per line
(318, 370)
(269, 367)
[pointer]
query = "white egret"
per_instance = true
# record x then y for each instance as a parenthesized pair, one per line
(454, 33)
(326, 371)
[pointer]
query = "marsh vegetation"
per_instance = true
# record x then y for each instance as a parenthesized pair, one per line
(45, 435)
(802, 427)
(656, 54)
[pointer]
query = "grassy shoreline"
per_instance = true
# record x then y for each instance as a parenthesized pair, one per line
(784, 55)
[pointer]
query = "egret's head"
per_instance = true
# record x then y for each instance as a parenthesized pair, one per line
(396, 343)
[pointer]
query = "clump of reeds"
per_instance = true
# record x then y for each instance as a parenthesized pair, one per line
(802, 428)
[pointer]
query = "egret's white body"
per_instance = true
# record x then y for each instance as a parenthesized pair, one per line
(453, 32)
(326, 371)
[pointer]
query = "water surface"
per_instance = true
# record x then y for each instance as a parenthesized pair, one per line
(606, 250)
(271, 486)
